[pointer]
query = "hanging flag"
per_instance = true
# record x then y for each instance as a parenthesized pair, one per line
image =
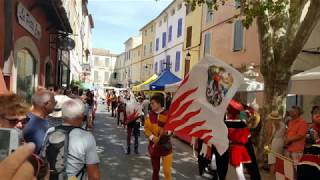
(133, 109)
(284, 169)
(200, 103)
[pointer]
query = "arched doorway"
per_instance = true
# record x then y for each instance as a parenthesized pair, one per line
(25, 74)
(48, 74)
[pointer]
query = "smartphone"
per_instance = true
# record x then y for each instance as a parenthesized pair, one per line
(10, 140)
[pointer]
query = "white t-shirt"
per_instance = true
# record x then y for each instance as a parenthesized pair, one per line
(82, 150)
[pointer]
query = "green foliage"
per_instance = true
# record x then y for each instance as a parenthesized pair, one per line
(75, 83)
(249, 9)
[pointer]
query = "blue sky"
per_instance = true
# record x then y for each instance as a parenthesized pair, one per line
(116, 20)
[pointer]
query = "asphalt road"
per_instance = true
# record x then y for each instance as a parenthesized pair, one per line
(116, 165)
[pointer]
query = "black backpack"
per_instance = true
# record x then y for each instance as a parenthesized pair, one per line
(56, 151)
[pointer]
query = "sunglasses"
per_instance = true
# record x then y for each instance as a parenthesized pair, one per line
(14, 121)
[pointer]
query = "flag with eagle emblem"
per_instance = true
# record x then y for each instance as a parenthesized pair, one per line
(200, 103)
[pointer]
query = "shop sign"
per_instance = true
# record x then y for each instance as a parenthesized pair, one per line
(28, 22)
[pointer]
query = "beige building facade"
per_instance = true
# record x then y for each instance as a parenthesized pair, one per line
(102, 67)
(192, 39)
(148, 47)
(225, 38)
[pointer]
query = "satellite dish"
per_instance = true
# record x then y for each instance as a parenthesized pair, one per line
(66, 43)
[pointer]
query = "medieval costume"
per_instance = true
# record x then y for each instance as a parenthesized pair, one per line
(153, 126)
(309, 166)
(238, 137)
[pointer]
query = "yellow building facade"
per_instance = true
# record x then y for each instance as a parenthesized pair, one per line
(147, 50)
(192, 41)
(136, 65)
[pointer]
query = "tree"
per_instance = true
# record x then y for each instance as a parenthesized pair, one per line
(284, 26)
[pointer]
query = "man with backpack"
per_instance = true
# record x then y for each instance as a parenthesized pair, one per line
(69, 149)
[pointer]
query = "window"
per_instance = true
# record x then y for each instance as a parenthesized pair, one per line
(96, 61)
(160, 23)
(162, 65)
(168, 62)
(189, 37)
(164, 39)
(173, 11)
(156, 67)
(119, 76)
(238, 36)
(48, 74)
(106, 76)
(177, 63)
(145, 33)
(151, 29)
(144, 50)
(25, 74)
(96, 76)
(150, 48)
(157, 44)
(165, 19)
(170, 34)
(207, 44)
(209, 17)
(179, 6)
(138, 53)
(179, 27)
(107, 62)
(237, 3)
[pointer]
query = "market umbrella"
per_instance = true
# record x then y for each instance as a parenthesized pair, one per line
(166, 77)
(140, 86)
(306, 83)
(86, 86)
(249, 85)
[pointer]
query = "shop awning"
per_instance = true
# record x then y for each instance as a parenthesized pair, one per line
(165, 78)
(306, 83)
(140, 86)
(86, 86)
(172, 87)
(250, 85)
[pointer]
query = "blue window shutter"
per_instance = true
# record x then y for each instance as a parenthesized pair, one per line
(157, 44)
(179, 27)
(164, 39)
(170, 34)
(168, 62)
(177, 64)
(207, 44)
(156, 67)
(238, 36)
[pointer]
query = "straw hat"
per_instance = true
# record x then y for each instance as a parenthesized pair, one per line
(274, 115)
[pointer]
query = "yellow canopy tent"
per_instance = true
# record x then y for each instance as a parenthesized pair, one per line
(138, 87)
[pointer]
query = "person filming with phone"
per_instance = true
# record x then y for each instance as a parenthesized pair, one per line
(17, 161)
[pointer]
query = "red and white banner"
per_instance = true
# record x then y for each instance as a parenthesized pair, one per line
(284, 169)
(200, 103)
(133, 109)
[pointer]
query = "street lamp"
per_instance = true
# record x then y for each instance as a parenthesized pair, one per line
(187, 64)
(188, 56)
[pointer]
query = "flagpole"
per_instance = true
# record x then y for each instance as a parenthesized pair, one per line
(268, 150)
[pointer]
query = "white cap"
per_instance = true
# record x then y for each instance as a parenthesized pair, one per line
(57, 113)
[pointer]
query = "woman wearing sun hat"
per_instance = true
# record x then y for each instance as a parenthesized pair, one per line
(275, 132)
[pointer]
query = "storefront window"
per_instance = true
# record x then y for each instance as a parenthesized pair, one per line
(65, 76)
(25, 74)
(48, 74)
